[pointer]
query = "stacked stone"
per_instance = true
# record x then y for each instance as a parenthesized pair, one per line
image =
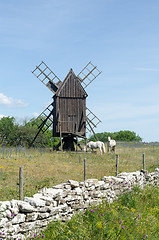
(152, 178)
(23, 219)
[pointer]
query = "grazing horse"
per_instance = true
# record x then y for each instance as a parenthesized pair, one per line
(111, 144)
(93, 145)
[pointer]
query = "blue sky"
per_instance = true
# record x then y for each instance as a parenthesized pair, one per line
(121, 37)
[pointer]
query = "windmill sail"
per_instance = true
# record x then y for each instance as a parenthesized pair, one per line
(47, 77)
(88, 74)
(92, 120)
(44, 121)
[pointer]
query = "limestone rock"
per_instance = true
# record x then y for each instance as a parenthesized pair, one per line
(34, 201)
(19, 218)
(25, 207)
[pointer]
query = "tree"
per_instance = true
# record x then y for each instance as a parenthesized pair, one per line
(25, 134)
(7, 126)
(34, 123)
(126, 135)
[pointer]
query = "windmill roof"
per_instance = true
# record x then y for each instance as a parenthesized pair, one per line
(71, 81)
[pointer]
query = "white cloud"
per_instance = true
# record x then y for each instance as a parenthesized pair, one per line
(35, 114)
(10, 102)
(1, 116)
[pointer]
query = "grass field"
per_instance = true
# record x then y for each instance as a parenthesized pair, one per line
(43, 167)
(134, 216)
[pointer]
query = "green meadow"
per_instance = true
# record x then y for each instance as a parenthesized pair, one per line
(45, 168)
(134, 216)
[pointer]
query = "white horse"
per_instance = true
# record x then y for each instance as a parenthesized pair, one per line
(93, 145)
(111, 144)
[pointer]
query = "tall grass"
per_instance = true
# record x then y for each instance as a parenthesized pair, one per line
(43, 167)
(134, 216)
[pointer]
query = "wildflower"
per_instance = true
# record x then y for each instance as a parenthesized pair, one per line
(99, 225)
(12, 215)
(43, 236)
(121, 221)
(34, 235)
(123, 226)
(145, 236)
(92, 210)
(138, 216)
(102, 214)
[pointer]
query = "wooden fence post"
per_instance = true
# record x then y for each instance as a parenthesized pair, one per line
(84, 169)
(117, 163)
(143, 159)
(21, 183)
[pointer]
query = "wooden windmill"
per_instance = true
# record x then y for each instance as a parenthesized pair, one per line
(67, 114)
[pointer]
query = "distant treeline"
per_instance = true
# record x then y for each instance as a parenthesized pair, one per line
(15, 134)
(126, 136)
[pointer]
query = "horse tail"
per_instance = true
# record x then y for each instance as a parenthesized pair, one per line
(103, 146)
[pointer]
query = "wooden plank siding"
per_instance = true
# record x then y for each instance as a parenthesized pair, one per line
(70, 116)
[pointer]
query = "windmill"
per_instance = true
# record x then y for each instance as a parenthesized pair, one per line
(67, 114)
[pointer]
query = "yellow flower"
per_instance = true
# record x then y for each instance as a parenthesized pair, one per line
(99, 225)
(133, 209)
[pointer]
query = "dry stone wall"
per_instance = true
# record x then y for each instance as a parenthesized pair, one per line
(22, 219)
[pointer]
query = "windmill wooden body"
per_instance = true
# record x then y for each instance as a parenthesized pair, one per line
(67, 114)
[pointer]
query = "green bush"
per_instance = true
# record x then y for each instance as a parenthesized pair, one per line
(14, 134)
(126, 135)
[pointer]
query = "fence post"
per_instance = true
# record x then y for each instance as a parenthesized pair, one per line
(117, 163)
(21, 183)
(143, 157)
(84, 169)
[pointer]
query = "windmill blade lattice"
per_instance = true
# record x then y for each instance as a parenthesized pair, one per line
(92, 120)
(88, 74)
(47, 77)
(45, 119)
